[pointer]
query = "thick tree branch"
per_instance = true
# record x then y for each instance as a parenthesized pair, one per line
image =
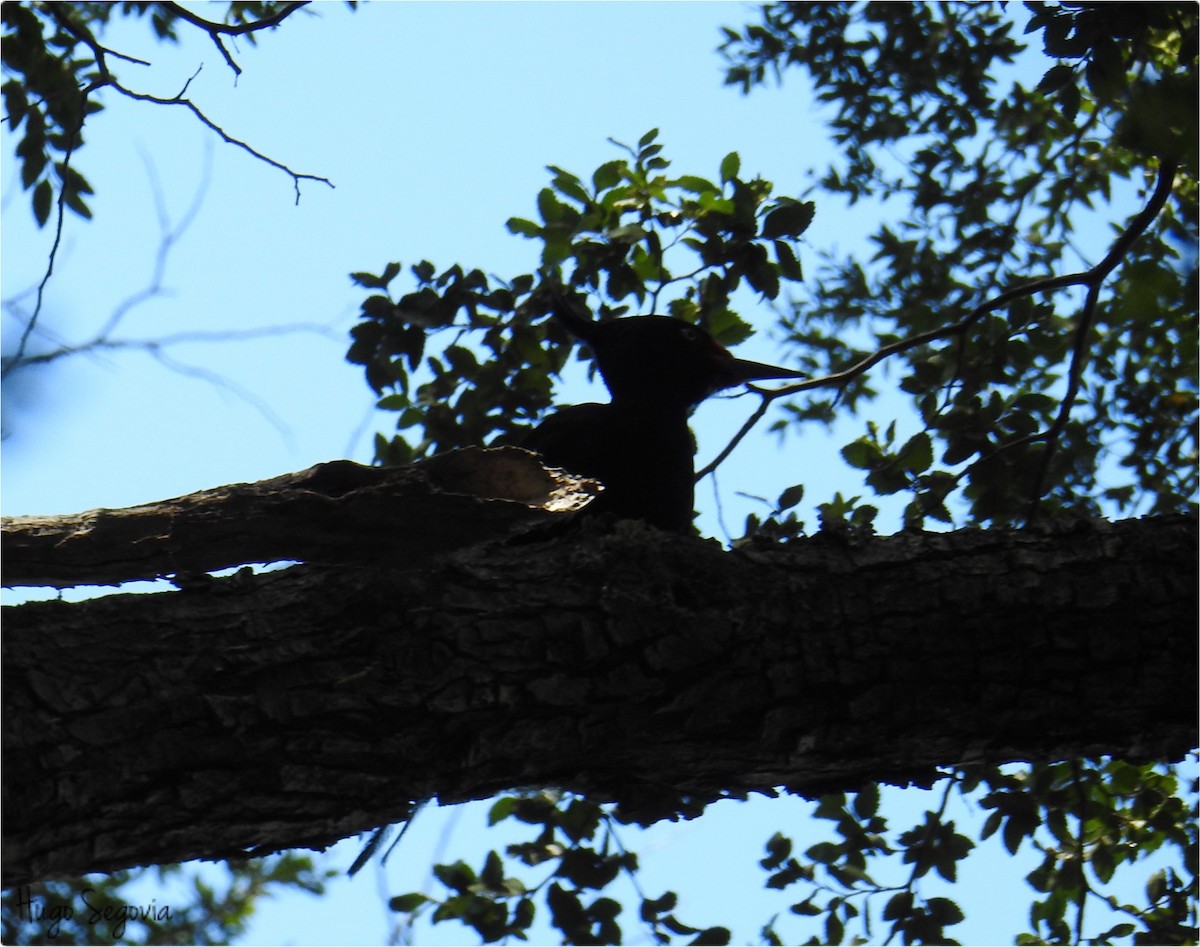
(296, 707)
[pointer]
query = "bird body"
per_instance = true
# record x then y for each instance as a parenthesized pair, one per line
(639, 446)
(644, 459)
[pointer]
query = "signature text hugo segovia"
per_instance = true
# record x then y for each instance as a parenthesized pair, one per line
(34, 910)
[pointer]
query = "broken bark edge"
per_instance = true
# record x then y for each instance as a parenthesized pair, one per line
(334, 512)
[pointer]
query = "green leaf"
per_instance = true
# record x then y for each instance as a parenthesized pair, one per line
(493, 871)
(761, 273)
(523, 227)
(15, 103)
(1156, 886)
(730, 165)
(32, 166)
(501, 809)
(523, 914)
(407, 903)
(608, 175)
(458, 876)
(862, 454)
(76, 203)
(629, 233)
(790, 497)
(898, 906)
(697, 185)
(944, 911)
(866, 801)
(789, 219)
(677, 927)
(727, 327)
(652, 907)
(824, 852)
(1103, 863)
(71, 179)
(43, 199)
(778, 848)
(789, 265)
(1055, 78)
(833, 805)
(551, 209)
(378, 307)
(916, 456)
(570, 186)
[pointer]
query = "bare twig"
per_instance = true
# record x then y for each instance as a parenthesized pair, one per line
(61, 15)
(99, 345)
(106, 78)
(216, 30)
(1095, 278)
(170, 234)
(236, 29)
(217, 380)
(103, 341)
(208, 123)
(763, 404)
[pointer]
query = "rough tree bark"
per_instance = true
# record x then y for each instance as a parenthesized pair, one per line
(292, 708)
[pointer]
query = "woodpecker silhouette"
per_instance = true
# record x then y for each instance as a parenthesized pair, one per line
(657, 369)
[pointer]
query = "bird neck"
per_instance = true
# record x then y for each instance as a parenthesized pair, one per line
(657, 407)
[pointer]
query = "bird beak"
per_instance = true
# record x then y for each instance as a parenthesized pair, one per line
(736, 371)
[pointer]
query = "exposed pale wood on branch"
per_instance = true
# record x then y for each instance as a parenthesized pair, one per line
(333, 512)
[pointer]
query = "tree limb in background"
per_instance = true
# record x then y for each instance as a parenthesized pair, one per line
(105, 339)
(217, 30)
(39, 97)
(1092, 278)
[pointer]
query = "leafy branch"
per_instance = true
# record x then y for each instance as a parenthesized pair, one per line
(1093, 278)
(578, 841)
(621, 239)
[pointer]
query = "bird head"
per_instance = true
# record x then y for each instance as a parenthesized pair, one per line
(664, 361)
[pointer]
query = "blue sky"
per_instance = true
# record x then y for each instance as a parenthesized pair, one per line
(435, 122)
(433, 138)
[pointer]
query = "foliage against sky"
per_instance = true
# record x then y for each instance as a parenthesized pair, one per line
(1033, 397)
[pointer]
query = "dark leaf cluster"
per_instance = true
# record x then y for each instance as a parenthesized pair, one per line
(577, 851)
(990, 184)
(49, 74)
(629, 238)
